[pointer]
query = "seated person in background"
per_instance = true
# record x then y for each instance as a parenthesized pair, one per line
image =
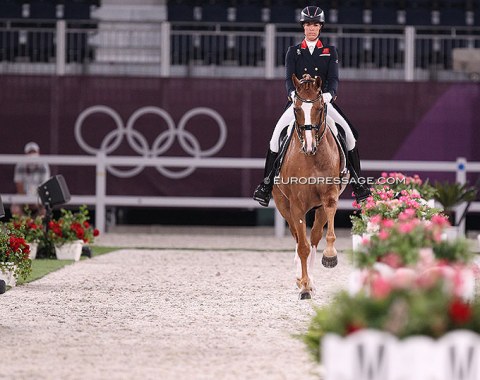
(27, 177)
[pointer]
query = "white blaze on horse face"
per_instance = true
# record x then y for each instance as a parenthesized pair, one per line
(307, 112)
(309, 141)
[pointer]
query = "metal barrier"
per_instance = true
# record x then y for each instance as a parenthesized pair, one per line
(224, 49)
(100, 200)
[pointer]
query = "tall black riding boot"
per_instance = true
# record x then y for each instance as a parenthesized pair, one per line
(360, 190)
(263, 192)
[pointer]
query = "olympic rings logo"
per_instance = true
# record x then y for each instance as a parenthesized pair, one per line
(162, 142)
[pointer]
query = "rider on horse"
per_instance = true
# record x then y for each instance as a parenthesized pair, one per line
(314, 58)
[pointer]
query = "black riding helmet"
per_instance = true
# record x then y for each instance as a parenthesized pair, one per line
(312, 14)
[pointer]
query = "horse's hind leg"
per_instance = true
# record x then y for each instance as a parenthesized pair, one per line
(329, 259)
(316, 234)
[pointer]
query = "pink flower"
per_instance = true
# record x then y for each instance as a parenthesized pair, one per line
(383, 235)
(380, 287)
(427, 258)
(387, 223)
(440, 220)
(376, 219)
(392, 260)
(407, 214)
(404, 278)
(406, 227)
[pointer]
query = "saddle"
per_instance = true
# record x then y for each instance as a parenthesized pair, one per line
(286, 137)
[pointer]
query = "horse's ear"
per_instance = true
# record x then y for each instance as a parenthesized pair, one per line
(295, 80)
(318, 82)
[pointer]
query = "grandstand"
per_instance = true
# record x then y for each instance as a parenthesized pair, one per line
(382, 39)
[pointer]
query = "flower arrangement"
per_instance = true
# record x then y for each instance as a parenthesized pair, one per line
(428, 307)
(400, 242)
(385, 203)
(404, 182)
(14, 252)
(30, 227)
(71, 227)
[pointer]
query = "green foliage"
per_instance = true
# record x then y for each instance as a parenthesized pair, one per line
(451, 194)
(31, 227)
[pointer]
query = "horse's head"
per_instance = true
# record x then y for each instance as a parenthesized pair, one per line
(310, 112)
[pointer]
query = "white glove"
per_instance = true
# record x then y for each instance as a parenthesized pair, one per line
(292, 96)
(327, 97)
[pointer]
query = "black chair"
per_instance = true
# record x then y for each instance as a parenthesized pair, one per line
(9, 45)
(283, 14)
(418, 14)
(214, 13)
(350, 14)
(10, 9)
(179, 12)
(453, 17)
(248, 13)
(384, 16)
(249, 50)
(73, 10)
(214, 49)
(41, 47)
(44, 10)
(77, 48)
(183, 49)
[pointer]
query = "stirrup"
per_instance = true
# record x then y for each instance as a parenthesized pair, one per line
(263, 194)
(361, 192)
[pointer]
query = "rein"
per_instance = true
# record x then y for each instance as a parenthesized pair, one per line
(307, 100)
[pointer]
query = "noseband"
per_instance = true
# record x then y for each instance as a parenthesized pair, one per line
(308, 127)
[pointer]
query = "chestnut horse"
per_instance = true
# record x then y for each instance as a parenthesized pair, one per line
(309, 178)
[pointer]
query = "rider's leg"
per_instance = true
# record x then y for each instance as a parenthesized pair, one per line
(263, 192)
(360, 190)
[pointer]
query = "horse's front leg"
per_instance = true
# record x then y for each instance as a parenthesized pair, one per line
(297, 220)
(329, 259)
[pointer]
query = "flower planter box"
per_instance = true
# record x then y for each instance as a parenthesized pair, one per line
(451, 233)
(69, 251)
(377, 355)
(357, 240)
(7, 275)
(33, 250)
(465, 289)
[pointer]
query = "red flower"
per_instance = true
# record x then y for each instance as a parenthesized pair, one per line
(460, 312)
(353, 327)
(96, 232)
(86, 224)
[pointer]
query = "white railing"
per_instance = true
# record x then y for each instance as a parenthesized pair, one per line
(100, 200)
(226, 49)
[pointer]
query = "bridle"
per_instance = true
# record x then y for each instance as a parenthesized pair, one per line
(300, 129)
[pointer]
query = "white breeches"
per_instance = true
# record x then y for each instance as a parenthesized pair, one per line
(332, 117)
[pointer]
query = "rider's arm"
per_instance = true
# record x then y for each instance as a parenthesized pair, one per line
(289, 70)
(332, 73)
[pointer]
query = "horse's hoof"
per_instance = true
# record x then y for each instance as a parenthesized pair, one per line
(329, 262)
(3, 287)
(305, 296)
